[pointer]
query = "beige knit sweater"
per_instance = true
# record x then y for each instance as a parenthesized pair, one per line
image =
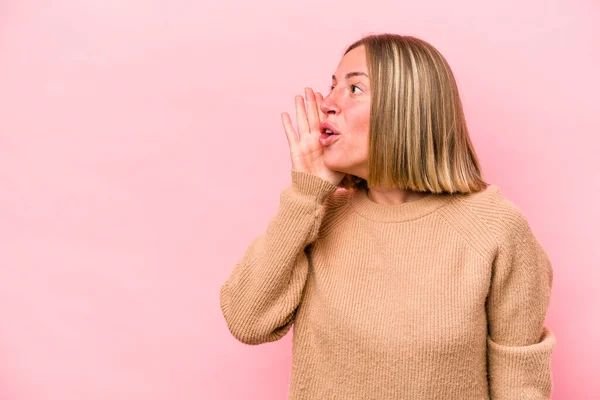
(440, 298)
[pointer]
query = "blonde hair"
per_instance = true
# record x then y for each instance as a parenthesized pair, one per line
(418, 137)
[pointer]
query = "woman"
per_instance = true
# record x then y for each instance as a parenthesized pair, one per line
(405, 275)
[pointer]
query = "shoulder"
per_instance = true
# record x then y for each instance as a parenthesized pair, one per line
(486, 219)
(516, 245)
(504, 219)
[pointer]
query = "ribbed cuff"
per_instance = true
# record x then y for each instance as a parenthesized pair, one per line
(521, 372)
(311, 185)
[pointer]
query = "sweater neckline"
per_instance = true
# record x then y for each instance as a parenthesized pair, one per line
(407, 211)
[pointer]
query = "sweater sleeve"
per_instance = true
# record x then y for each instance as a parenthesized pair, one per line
(260, 298)
(519, 344)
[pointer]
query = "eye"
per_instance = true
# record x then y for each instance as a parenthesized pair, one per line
(352, 87)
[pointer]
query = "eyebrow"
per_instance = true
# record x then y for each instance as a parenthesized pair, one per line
(350, 75)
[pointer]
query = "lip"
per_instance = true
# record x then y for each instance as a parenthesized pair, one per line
(330, 126)
(326, 140)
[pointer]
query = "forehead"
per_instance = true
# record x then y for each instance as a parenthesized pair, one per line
(354, 61)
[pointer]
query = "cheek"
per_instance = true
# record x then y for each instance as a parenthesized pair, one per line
(359, 118)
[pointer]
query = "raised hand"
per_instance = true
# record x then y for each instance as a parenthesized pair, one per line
(305, 150)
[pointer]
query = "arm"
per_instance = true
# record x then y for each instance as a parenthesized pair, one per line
(519, 345)
(260, 297)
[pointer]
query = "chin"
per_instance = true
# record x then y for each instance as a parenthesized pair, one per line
(331, 165)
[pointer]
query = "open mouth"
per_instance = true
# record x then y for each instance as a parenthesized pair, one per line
(329, 132)
(328, 136)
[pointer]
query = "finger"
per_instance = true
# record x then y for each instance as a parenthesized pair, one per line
(319, 98)
(301, 120)
(314, 122)
(290, 133)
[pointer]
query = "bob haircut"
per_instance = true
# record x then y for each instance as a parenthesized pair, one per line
(418, 137)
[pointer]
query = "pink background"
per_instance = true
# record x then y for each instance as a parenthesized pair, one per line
(141, 150)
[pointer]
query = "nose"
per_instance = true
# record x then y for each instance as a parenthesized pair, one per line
(329, 104)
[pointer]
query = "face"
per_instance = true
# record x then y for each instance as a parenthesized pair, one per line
(347, 109)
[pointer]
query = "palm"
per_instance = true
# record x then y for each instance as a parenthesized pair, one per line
(305, 149)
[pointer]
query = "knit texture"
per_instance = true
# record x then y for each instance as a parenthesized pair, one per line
(444, 297)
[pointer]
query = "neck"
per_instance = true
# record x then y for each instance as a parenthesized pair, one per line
(397, 212)
(394, 196)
